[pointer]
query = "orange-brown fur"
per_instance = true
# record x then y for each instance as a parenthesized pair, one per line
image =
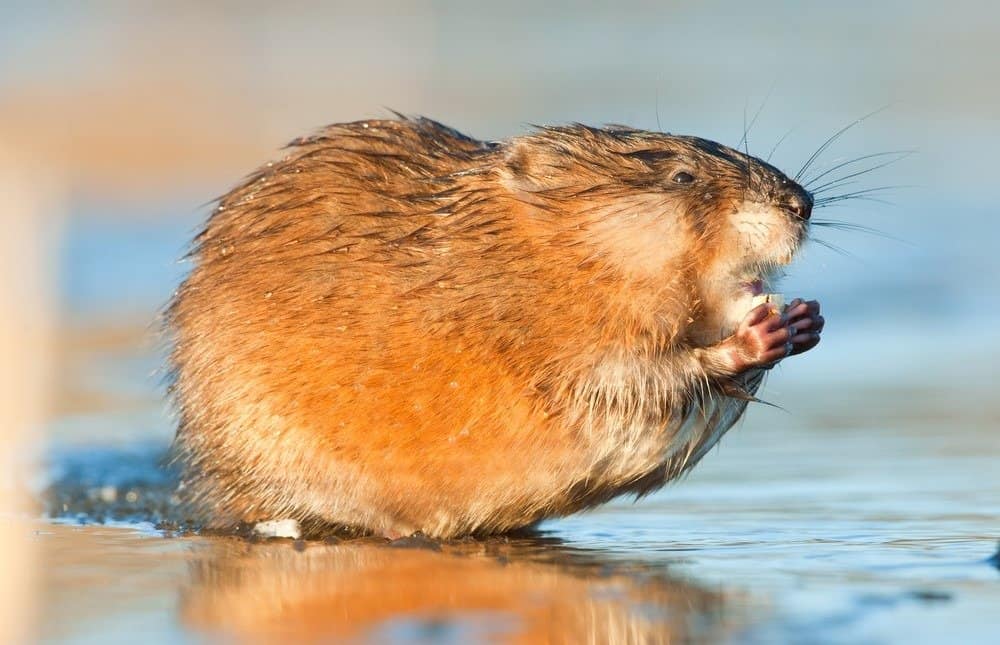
(398, 328)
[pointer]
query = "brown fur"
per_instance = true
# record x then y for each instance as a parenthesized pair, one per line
(399, 328)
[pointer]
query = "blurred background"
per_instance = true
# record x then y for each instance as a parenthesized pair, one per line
(120, 121)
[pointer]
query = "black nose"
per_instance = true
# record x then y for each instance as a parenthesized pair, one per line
(797, 202)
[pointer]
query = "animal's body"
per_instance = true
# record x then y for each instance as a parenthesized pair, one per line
(398, 328)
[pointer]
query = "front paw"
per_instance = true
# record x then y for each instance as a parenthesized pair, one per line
(763, 338)
(807, 323)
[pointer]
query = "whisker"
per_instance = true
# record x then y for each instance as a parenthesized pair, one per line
(847, 226)
(746, 147)
(746, 129)
(866, 191)
(834, 187)
(860, 199)
(836, 249)
(826, 144)
(780, 141)
(898, 155)
(658, 126)
(858, 173)
(860, 228)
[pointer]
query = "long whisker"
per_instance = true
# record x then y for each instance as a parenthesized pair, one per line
(834, 182)
(658, 126)
(837, 186)
(746, 129)
(847, 226)
(780, 141)
(860, 228)
(836, 249)
(746, 147)
(826, 144)
(834, 186)
(898, 155)
(866, 191)
(860, 199)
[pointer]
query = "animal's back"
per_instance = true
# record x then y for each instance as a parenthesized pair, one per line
(326, 367)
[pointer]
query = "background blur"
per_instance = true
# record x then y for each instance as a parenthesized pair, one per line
(119, 121)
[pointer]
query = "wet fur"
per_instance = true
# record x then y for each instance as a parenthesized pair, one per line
(399, 328)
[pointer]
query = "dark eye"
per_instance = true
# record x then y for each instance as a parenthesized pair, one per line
(683, 178)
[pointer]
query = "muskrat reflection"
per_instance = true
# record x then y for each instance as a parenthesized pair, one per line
(518, 591)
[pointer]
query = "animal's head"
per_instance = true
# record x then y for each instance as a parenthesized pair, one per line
(655, 206)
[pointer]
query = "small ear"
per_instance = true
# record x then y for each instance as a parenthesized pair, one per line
(516, 158)
(527, 170)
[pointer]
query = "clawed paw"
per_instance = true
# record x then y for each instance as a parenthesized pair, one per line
(767, 335)
(806, 322)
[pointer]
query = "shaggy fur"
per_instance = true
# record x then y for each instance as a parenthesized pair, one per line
(398, 328)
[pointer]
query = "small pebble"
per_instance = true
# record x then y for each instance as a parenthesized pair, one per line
(415, 541)
(278, 529)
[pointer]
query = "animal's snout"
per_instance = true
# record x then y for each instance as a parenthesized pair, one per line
(796, 201)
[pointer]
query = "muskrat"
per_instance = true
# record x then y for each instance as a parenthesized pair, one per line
(397, 328)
